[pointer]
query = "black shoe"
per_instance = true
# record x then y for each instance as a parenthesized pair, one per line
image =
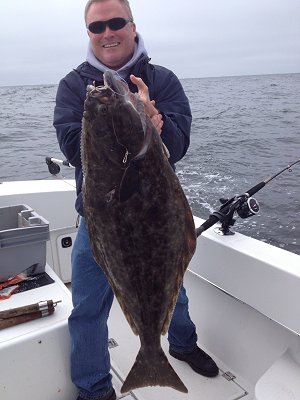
(199, 361)
(111, 395)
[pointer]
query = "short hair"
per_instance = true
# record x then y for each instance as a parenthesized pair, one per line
(124, 2)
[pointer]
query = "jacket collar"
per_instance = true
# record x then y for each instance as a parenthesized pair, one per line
(86, 70)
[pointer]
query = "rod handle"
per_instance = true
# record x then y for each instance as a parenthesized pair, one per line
(7, 323)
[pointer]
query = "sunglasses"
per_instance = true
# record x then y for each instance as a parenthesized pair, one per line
(114, 24)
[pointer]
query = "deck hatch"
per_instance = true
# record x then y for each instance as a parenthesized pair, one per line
(229, 376)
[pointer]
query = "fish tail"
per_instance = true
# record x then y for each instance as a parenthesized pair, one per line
(153, 370)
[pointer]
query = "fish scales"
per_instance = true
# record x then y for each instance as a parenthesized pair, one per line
(140, 224)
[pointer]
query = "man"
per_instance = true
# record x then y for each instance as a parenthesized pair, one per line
(115, 44)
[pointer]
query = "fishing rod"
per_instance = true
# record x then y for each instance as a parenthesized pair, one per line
(244, 205)
(53, 165)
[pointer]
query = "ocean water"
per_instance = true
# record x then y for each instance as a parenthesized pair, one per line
(245, 129)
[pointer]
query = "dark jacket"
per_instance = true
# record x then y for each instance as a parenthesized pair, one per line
(164, 87)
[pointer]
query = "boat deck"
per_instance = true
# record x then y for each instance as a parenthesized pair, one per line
(46, 343)
(123, 351)
(124, 346)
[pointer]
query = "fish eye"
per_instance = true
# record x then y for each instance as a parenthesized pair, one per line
(103, 109)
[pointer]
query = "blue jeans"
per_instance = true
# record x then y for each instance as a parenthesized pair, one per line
(92, 300)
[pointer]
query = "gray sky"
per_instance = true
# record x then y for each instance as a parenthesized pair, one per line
(41, 41)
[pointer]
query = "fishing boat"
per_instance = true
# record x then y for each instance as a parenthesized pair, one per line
(244, 299)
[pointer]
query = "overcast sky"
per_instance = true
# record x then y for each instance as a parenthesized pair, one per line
(41, 41)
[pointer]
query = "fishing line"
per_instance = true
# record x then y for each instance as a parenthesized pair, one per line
(63, 178)
(121, 144)
(100, 89)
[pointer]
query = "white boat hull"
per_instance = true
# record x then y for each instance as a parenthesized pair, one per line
(244, 299)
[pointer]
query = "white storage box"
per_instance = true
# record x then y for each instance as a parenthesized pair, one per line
(23, 236)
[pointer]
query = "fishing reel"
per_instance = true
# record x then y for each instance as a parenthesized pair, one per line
(248, 208)
(53, 165)
(243, 205)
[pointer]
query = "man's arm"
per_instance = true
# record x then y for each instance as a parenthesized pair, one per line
(172, 103)
(68, 116)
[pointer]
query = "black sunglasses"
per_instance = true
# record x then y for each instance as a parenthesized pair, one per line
(114, 24)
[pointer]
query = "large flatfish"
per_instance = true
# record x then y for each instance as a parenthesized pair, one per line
(140, 224)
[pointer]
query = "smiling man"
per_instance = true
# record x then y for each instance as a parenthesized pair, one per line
(115, 44)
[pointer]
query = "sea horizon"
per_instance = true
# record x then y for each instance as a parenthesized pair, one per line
(181, 79)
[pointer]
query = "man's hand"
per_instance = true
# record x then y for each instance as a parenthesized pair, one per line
(157, 120)
(149, 105)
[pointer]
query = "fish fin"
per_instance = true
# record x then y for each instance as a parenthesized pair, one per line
(128, 316)
(124, 309)
(166, 324)
(152, 369)
(148, 134)
(165, 150)
(121, 303)
(172, 305)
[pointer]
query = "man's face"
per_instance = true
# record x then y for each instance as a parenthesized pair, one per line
(113, 48)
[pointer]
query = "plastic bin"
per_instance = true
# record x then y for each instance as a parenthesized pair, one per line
(23, 236)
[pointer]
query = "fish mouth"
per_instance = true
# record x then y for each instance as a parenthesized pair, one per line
(114, 89)
(114, 86)
(97, 91)
(97, 99)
